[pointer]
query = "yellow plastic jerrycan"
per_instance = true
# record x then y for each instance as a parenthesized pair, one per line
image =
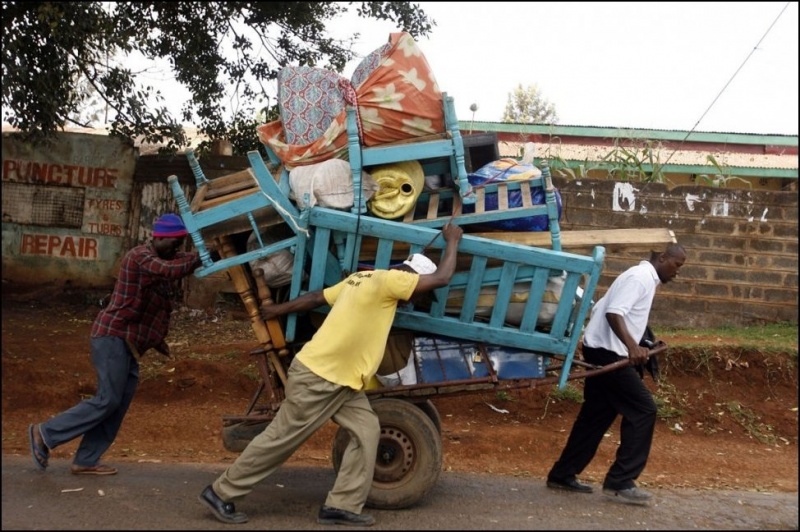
(399, 187)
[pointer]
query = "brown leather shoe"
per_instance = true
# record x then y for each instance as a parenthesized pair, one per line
(99, 469)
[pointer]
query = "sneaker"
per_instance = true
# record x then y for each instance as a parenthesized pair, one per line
(632, 495)
(334, 516)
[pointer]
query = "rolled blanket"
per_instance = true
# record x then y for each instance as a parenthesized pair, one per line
(399, 187)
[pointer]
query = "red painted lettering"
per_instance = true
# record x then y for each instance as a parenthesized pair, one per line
(9, 169)
(71, 173)
(27, 245)
(36, 172)
(89, 248)
(100, 177)
(68, 248)
(56, 246)
(53, 242)
(39, 172)
(54, 168)
(41, 244)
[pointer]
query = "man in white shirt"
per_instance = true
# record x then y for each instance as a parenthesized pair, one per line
(617, 324)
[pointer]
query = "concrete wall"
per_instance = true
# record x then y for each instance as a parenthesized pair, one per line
(742, 247)
(65, 210)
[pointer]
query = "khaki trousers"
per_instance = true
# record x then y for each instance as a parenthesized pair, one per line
(310, 402)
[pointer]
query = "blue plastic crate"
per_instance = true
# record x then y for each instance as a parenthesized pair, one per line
(510, 363)
(442, 359)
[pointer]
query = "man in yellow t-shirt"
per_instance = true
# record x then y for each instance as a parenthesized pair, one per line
(326, 380)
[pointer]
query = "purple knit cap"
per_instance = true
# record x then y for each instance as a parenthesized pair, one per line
(169, 226)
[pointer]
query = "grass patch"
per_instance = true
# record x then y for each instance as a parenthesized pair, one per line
(670, 403)
(251, 372)
(751, 422)
(503, 395)
(568, 393)
(767, 338)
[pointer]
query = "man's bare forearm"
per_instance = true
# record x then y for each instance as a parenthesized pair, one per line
(308, 301)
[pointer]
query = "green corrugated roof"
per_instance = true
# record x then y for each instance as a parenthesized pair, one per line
(741, 171)
(629, 133)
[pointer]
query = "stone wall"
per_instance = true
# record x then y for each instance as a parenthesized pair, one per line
(741, 267)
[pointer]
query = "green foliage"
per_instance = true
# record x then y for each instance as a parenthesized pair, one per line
(670, 403)
(503, 395)
(568, 393)
(751, 423)
(251, 372)
(240, 133)
(59, 55)
(722, 177)
(528, 106)
(627, 160)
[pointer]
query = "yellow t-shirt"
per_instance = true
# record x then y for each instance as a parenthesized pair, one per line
(348, 347)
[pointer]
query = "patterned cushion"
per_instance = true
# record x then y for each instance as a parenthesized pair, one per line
(368, 65)
(309, 100)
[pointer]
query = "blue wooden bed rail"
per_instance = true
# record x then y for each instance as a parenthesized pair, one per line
(491, 263)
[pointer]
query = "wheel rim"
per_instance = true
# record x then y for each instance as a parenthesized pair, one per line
(396, 456)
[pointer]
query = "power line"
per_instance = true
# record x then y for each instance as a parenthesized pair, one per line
(729, 81)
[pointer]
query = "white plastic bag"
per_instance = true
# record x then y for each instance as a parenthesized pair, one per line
(329, 184)
(277, 267)
(405, 376)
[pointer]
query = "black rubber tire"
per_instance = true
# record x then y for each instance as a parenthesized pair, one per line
(430, 409)
(409, 455)
(236, 437)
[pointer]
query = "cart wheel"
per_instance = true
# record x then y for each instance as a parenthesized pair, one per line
(429, 408)
(236, 437)
(409, 454)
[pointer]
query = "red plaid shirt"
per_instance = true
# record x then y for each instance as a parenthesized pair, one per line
(140, 306)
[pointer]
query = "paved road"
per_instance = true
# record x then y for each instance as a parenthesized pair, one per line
(148, 496)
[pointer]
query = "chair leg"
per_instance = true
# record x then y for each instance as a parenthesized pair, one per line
(457, 162)
(354, 150)
(188, 220)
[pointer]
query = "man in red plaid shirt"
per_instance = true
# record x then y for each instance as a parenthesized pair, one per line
(135, 320)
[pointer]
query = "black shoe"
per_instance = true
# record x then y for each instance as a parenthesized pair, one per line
(224, 511)
(334, 516)
(571, 484)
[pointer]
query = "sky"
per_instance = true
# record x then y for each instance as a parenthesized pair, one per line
(703, 66)
(727, 67)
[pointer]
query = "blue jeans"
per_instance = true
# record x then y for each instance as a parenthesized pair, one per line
(98, 418)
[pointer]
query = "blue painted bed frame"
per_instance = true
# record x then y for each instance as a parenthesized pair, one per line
(327, 245)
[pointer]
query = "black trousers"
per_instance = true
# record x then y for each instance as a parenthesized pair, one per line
(620, 392)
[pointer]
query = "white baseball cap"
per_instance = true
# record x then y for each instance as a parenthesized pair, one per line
(420, 264)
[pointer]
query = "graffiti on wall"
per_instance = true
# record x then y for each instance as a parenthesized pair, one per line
(624, 198)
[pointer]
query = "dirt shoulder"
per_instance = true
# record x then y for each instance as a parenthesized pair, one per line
(730, 414)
